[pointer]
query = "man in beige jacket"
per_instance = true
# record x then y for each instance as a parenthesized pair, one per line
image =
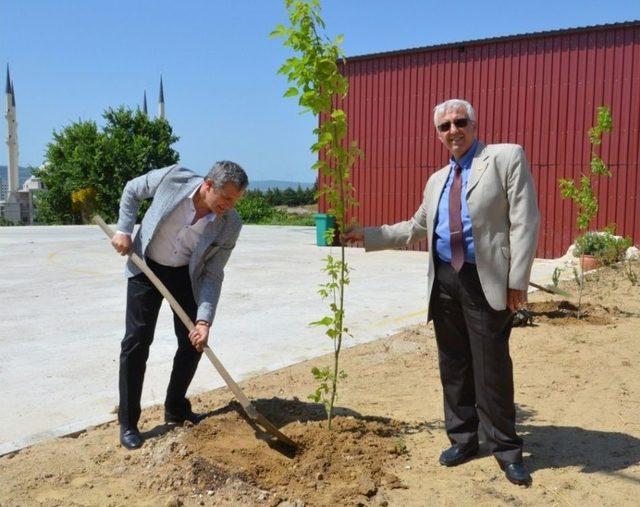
(480, 218)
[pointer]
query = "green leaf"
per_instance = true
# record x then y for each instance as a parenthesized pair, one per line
(327, 67)
(291, 92)
(326, 321)
(331, 333)
(279, 31)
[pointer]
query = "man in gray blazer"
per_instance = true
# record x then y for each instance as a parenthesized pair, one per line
(480, 218)
(186, 238)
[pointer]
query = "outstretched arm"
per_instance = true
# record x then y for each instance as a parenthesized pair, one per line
(398, 235)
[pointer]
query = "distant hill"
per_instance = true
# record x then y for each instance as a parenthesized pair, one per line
(265, 184)
(23, 174)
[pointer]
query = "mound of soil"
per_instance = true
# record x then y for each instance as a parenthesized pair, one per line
(344, 465)
(224, 460)
(562, 313)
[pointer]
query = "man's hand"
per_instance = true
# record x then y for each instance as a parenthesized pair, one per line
(199, 336)
(352, 234)
(122, 243)
(516, 299)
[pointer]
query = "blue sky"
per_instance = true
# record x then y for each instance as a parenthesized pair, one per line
(71, 59)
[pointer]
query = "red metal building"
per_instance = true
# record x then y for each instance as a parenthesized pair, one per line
(539, 90)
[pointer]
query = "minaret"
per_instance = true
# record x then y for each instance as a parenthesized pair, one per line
(12, 140)
(161, 101)
(144, 104)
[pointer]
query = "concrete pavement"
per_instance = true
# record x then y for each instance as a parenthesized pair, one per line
(62, 295)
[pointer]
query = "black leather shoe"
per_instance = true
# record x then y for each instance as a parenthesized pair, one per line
(517, 473)
(454, 455)
(131, 439)
(192, 417)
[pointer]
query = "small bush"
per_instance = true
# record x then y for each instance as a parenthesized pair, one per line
(604, 245)
(255, 209)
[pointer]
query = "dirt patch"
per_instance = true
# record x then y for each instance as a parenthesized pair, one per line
(577, 392)
(346, 465)
(228, 460)
(603, 302)
(343, 466)
(562, 313)
(307, 210)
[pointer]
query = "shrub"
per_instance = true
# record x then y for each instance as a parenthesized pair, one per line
(255, 209)
(604, 245)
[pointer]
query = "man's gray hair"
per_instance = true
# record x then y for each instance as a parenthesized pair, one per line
(453, 105)
(226, 171)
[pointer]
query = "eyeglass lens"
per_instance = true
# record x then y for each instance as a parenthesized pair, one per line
(460, 123)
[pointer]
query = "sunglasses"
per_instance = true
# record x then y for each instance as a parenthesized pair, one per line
(460, 123)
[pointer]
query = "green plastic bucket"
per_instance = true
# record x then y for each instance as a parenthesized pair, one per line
(324, 222)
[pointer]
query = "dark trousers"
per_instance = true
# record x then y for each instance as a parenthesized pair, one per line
(143, 305)
(475, 366)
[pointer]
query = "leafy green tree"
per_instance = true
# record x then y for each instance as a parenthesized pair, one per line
(70, 159)
(301, 196)
(86, 168)
(274, 196)
(315, 79)
(254, 193)
(289, 197)
(312, 194)
(254, 209)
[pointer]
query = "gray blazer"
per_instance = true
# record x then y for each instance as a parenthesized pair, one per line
(168, 187)
(504, 219)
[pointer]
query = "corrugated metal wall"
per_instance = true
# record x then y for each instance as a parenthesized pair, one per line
(540, 91)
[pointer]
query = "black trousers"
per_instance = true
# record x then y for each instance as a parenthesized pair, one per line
(475, 366)
(143, 306)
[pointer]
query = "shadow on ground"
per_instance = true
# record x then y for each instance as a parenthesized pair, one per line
(282, 412)
(571, 446)
(592, 451)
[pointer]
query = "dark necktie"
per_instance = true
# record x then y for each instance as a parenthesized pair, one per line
(455, 220)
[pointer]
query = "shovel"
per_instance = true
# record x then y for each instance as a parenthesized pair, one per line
(550, 290)
(248, 407)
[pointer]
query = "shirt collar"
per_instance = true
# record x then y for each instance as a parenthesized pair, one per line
(192, 194)
(467, 158)
(209, 217)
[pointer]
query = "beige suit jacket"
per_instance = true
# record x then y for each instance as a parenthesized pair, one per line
(504, 219)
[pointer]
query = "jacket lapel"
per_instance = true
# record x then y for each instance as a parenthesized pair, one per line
(438, 186)
(210, 234)
(478, 167)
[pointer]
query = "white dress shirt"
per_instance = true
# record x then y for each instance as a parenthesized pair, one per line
(174, 241)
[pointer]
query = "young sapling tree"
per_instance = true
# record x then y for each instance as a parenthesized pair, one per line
(315, 79)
